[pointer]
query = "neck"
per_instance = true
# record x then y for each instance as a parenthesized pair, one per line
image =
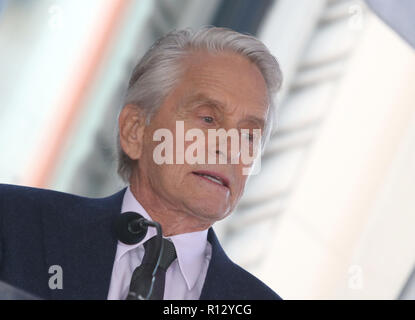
(173, 220)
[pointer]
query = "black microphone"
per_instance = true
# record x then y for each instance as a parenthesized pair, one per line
(130, 228)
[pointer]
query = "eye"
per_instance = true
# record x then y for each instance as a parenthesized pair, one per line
(248, 136)
(208, 119)
(251, 135)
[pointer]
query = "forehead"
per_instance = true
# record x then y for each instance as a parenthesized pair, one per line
(227, 79)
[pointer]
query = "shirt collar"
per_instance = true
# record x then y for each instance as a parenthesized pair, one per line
(190, 247)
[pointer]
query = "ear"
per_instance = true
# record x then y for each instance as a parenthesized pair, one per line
(131, 122)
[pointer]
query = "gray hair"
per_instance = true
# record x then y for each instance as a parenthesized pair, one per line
(159, 69)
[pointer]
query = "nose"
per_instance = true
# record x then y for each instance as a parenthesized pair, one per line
(225, 149)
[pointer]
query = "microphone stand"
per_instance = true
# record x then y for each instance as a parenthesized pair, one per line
(131, 228)
(158, 248)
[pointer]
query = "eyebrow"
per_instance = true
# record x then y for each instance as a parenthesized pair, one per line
(256, 119)
(201, 98)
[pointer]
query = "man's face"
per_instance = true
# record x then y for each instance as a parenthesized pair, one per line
(217, 91)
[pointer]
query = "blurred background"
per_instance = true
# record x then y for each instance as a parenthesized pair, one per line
(331, 214)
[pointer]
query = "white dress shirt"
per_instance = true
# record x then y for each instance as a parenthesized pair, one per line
(185, 276)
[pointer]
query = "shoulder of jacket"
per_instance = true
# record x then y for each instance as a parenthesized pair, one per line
(251, 287)
(20, 198)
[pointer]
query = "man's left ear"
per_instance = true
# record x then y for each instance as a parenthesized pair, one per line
(131, 122)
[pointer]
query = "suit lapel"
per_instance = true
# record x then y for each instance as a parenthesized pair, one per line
(83, 243)
(219, 272)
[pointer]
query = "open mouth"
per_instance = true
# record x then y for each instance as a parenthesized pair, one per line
(213, 177)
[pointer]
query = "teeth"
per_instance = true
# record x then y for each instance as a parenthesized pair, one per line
(213, 179)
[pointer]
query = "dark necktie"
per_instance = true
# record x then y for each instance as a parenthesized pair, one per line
(143, 273)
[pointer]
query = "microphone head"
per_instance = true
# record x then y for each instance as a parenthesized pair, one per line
(128, 228)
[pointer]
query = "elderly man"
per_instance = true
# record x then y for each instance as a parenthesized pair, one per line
(62, 246)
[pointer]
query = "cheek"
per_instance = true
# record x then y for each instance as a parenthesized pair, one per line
(240, 182)
(172, 175)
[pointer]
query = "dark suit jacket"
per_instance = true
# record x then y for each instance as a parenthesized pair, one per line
(40, 228)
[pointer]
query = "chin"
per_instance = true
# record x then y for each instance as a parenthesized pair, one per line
(211, 212)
